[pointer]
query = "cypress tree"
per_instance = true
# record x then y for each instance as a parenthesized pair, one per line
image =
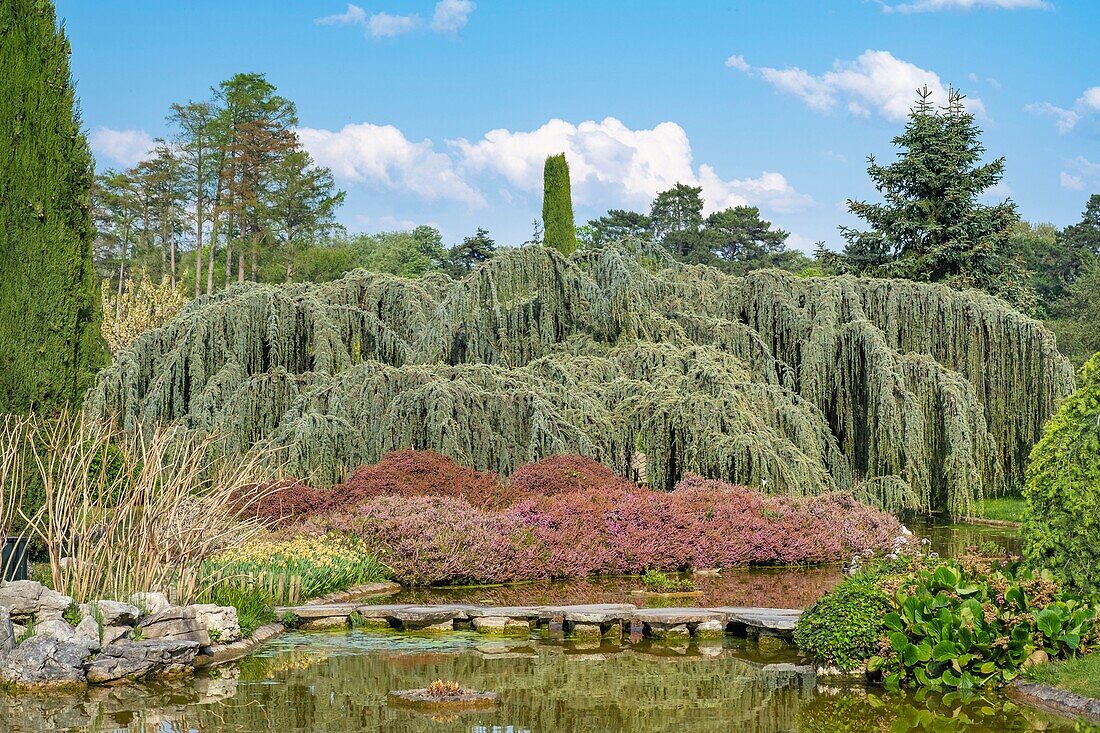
(50, 343)
(557, 206)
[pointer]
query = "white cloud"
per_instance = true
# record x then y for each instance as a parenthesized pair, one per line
(875, 83)
(125, 147)
(1066, 119)
(448, 17)
(926, 6)
(1080, 173)
(384, 25)
(610, 162)
(739, 63)
(381, 156)
(451, 15)
(1071, 182)
(354, 15)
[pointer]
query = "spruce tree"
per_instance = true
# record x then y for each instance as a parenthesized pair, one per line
(557, 206)
(50, 342)
(931, 226)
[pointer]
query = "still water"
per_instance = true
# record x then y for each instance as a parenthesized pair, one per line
(336, 682)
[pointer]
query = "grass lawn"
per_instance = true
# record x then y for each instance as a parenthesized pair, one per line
(1005, 508)
(1081, 675)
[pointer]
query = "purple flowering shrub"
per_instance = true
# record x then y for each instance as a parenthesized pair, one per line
(607, 529)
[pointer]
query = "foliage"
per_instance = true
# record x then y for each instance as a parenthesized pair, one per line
(616, 225)
(1063, 488)
(931, 226)
(320, 564)
(147, 521)
(800, 385)
(140, 307)
(657, 582)
(560, 474)
(255, 605)
(50, 347)
(464, 257)
(967, 625)
(843, 627)
(433, 539)
(1076, 315)
(557, 206)
(234, 184)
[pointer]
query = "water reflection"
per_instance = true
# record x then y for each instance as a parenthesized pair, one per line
(337, 683)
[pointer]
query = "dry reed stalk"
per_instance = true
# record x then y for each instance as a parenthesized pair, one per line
(135, 510)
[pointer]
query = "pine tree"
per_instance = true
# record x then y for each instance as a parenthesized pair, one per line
(50, 342)
(557, 206)
(931, 226)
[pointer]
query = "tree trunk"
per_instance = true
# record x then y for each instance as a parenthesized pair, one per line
(240, 267)
(213, 247)
(198, 246)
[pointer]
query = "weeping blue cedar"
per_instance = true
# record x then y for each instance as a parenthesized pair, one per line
(911, 395)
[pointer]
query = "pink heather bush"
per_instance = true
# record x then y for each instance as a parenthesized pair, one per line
(611, 530)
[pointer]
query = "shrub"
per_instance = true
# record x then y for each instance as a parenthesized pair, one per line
(576, 533)
(301, 567)
(559, 474)
(843, 628)
(947, 624)
(658, 582)
(1062, 488)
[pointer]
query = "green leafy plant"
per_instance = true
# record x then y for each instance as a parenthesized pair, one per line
(657, 582)
(72, 614)
(969, 625)
(1063, 488)
(843, 628)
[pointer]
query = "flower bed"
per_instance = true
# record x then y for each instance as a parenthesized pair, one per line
(560, 526)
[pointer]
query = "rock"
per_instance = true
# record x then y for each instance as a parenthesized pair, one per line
(150, 603)
(88, 630)
(44, 661)
(18, 630)
(666, 631)
(1036, 658)
(112, 613)
(220, 622)
(177, 623)
(133, 660)
(324, 622)
(710, 630)
(29, 599)
(111, 634)
(57, 628)
(7, 634)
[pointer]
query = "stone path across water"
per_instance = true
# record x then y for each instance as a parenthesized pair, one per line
(588, 620)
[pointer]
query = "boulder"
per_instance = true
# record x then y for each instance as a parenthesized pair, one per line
(29, 599)
(44, 661)
(178, 623)
(111, 634)
(57, 628)
(7, 634)
(150, 603)
(133, 660)
(219, 621)
(113, 613)
(88, 631)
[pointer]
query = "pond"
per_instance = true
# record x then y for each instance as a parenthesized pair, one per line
(337, 682)
(334, 682)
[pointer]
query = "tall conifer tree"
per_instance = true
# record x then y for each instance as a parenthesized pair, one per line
(557, 206)
(50, 344)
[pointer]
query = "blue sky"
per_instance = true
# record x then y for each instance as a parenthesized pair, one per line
(442, 112)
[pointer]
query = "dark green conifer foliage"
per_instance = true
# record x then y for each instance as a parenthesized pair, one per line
(50, 345)
(557, 206)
